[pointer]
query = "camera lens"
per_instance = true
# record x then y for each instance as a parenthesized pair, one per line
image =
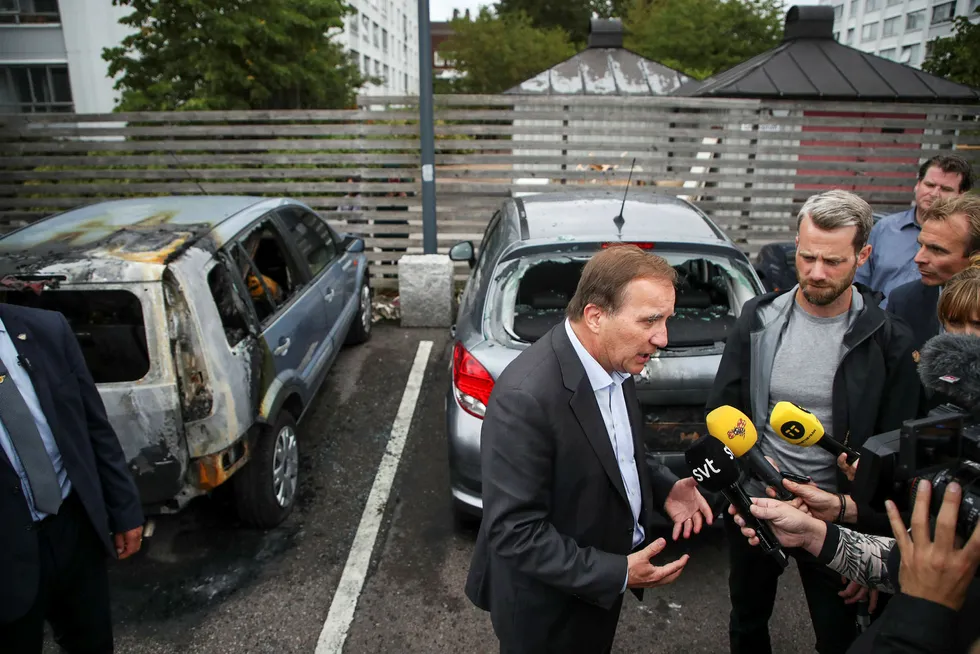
(967, 475)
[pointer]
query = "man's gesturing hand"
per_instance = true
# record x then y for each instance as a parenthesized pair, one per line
(937, 570)
(687, 508)
(643, 574)
(128, 542)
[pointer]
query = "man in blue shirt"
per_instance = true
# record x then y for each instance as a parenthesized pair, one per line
(894, 239)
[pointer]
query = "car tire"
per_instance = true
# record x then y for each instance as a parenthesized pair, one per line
(360, 328)
(465, 522)
(266, 487)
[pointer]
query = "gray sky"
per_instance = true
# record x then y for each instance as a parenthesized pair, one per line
(443, 9)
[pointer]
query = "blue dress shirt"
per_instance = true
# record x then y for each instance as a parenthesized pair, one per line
(20, 378)
(894, 242)
(609, 396)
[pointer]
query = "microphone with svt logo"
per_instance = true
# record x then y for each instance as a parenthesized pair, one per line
(713, 467)
(736, 432)
(797, 426)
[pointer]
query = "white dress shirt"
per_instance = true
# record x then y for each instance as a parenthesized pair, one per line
(608, 389)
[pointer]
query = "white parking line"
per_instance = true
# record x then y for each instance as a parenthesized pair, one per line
(344, 602)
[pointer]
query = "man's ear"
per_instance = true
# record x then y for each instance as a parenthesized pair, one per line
(863, 254)
(591, 316)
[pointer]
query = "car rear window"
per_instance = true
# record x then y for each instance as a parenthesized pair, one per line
(534, 291)
(108, 325)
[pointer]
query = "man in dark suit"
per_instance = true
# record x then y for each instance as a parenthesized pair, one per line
(67, 499)
(950, 236)
(568, 498)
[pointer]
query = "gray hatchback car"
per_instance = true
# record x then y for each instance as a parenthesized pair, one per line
(528, 267)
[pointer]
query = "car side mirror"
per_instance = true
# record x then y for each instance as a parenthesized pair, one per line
(354, 244)
(463, 251)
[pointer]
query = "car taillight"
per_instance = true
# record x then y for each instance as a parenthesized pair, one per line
(471, 382)
(641, 245)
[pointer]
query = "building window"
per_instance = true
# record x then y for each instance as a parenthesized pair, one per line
(29, 11)
(850, 35)
(367, 66)
(387, 82)
(888, 54)
(838, 12)
(355, 23)
(872, 5)
(405, 26)
(869, 31)
(376, 31)
(910, 54)
(405, 51)
(894, 3)
(35, 89)
(384, 40)
(890, 26)
(406, 82)
(942, 13)
(915, 20)
(377, 68)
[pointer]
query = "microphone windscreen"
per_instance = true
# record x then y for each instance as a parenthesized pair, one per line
(950, 365)
(795, 424)
(712, 464)
(733, 428)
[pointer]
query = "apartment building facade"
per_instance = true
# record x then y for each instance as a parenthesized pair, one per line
(51, 51)
(899, 30)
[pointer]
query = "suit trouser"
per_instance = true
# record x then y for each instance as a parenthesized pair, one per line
(752, 583)
(73, 589)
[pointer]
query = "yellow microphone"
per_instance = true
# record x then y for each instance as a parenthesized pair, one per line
(734, 429)
(797, 426)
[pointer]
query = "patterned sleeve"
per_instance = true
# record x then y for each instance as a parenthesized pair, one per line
(862, 558)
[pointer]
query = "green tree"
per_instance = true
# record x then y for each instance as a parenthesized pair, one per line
(233, 54)
(573, 16)
(703, 37)
(957, 57)
(494, 53)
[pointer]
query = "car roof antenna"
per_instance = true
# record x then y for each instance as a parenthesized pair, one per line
(619, 221)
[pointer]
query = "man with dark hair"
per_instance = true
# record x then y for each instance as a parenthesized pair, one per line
(826, 346)
(950, 235)
(893, 239)
(568, 494)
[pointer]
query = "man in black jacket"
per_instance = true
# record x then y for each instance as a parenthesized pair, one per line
(950, 236)
(824, 345)
(68, 499)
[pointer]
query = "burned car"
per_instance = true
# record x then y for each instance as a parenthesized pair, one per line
(208, 324)
(526, 272)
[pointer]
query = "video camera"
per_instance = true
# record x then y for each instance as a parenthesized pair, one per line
(942, 447)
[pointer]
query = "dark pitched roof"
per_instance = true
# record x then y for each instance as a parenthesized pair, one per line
(604, 68)
(810, 64)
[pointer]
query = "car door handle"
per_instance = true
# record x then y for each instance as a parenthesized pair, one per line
(283, 347)
(328, 295)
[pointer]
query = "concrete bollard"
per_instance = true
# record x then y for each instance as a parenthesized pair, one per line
(425, 290)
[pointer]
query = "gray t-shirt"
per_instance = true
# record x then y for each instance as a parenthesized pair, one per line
(803, 372)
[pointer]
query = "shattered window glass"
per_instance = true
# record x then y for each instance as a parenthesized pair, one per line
(108, 325)
(535, 290)
(229, 304)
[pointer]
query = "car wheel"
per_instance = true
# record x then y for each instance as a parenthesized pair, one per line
(360, 329)
(265, 488)
(464, 521)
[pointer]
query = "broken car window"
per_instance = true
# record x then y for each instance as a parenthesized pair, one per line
(266, 269)
(228, 302)
(109, 327)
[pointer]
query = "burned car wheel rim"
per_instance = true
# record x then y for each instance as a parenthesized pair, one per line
(285, 464)
(366, 308)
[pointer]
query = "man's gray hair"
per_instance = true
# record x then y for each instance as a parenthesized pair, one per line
(835, 209)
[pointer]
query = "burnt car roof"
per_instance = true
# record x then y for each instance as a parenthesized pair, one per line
(136, 231)
(583, 214)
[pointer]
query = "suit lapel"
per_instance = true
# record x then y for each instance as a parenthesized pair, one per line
(639, 449)
(585, 408)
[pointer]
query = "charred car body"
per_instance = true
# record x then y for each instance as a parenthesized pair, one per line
(529, 263)
(208, 324)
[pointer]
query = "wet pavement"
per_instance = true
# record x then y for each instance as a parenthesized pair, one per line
(204, 583)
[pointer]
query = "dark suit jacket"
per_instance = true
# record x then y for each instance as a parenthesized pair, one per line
(89, 448)
(550, 557)
(916, 303)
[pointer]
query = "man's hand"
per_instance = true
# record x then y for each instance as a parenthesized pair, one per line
(849, 470)
(855, 592)
(937, 570)
(643, 574)
(128, 542)
(792, 527)
(687, 508)
(820, 504)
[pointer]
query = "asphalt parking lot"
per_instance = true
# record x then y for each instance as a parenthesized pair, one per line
(204, 583)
